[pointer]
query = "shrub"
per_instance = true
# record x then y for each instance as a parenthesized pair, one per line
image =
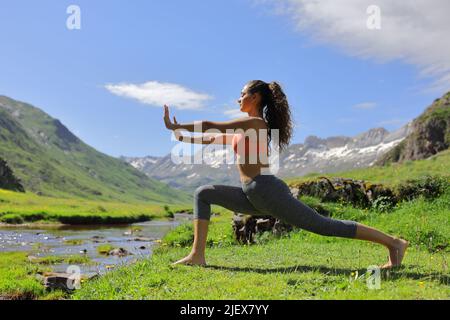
(12, 218)
(383, 204)
(429, 187)
(169, 213)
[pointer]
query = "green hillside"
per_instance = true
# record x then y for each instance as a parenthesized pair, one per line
(49, 160)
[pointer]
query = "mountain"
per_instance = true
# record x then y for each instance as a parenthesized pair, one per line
(50, 160)
(430, 134)
(314, 155)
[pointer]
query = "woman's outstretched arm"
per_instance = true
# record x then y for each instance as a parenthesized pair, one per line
(206, 138)
(243, 123)
(222, 127)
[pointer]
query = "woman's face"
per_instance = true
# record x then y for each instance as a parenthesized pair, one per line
(247, 101)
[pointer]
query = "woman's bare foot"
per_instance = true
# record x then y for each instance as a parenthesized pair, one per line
(191, 260)
(396, 254)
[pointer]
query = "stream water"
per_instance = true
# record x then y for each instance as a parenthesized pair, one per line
(138, 239)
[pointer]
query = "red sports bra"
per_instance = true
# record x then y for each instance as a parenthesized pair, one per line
(237, 140)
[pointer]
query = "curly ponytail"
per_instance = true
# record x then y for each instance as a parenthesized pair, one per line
(275, 109)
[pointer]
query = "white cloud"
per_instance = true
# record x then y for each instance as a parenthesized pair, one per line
(365, 105)
(159, 93)
(413, 31)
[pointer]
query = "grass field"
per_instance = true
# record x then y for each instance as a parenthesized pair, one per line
(299, 265)
(302, 265)
(16, 208)
(393, 173)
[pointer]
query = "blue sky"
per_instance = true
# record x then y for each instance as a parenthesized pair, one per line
(206, 51)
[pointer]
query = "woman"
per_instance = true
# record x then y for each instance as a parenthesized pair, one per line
(261, 194)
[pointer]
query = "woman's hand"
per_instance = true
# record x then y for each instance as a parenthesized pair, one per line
(168, 123)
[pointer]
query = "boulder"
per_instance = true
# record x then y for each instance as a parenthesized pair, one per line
(63, 281)
(358, 193)
(119, 252)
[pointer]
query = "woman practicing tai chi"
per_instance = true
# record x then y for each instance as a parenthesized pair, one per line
(263, 194)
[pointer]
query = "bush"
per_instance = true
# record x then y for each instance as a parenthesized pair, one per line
(429, 187)
(383, 204)
(12, 219)
(169, 213)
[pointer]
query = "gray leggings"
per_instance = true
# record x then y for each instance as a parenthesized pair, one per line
(269, 195)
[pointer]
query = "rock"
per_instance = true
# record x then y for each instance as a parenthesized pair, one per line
(63, 281)
(120, 252)
(280, 227)
(32, 259)
(355, 192)
(263, 225)
(244, 228)
(364, 194)
(430, 134)
(98, 239)
(143, 239)
(8, 180)
(295, 192)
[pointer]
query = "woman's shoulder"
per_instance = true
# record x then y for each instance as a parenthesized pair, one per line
(260, 122)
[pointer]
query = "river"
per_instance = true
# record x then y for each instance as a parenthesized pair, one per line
(139, 239)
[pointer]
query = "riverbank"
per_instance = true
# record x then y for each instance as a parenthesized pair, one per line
(27, 208)
(27, 255)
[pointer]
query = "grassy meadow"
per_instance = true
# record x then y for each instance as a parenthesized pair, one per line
(297, 265)
(17, 208)
(302, 265)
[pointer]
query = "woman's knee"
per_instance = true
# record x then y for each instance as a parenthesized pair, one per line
(202, 191)
(202, 208)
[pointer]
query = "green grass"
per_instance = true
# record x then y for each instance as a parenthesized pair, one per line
(73, 242)
(18, 275)
(105, 249)
(300, 265)
(73, 259)
(17, 208)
